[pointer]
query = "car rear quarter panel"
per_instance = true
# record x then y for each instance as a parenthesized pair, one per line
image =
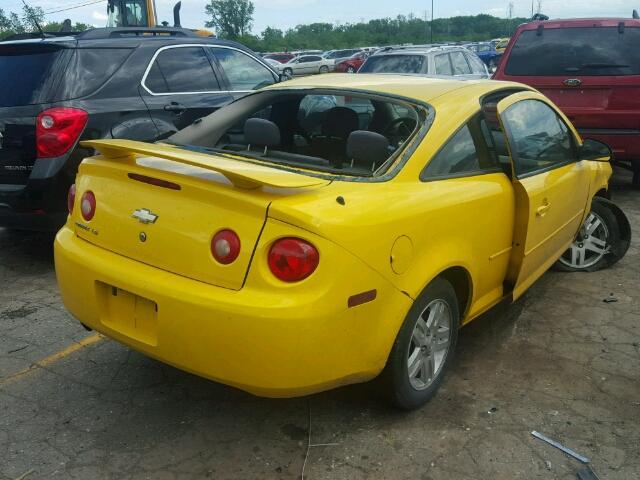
(456, 222)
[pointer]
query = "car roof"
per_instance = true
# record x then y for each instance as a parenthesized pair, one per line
(580, 22)
(127, 36)
(420, 50)
(418, 88)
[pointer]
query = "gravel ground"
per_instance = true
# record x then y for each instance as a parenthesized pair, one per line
(560, 361)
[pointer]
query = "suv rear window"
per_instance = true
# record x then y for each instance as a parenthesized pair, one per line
(393, 64)
(584, 51)
(26, 74)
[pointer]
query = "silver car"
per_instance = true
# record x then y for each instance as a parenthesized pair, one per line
(307, 65)
(428, 60)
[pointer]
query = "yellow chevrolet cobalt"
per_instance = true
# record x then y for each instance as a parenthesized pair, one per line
(333, 229)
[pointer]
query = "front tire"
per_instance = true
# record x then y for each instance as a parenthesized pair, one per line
(288, 72)
(600, 243)
(324, 69)
(350, 69)
(424, 347)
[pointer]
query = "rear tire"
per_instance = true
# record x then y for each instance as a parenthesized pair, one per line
(324, 69)
(350, 69)
(288, 72)
(602, 240)
(424, 348)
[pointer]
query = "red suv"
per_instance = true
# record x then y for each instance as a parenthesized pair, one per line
(591, 69)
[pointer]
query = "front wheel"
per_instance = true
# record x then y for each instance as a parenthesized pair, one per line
(324, 69)
(288, 72)
(601, 241)
(424, 347)
(351, 69)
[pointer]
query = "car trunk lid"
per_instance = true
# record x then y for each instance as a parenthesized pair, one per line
(161, 205)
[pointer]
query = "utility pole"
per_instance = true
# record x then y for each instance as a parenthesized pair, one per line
(431, 22)
(510, 16)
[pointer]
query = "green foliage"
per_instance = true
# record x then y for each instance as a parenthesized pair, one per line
(231, 18)
(13, 23)
(386, 31)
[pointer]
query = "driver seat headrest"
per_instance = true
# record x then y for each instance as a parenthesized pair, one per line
(261, 133)
(367, 149)
(340, 122)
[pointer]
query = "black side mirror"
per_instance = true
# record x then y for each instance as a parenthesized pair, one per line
(595, 151)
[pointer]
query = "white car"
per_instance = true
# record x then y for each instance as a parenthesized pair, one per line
(307, 65)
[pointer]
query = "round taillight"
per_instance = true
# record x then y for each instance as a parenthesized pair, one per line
(71, 198)
(225, 246)
(88, 205)
(293, 259)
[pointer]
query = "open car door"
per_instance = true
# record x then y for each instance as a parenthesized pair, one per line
(551, 186)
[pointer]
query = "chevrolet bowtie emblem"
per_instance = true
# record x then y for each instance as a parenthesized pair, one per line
(144, 216)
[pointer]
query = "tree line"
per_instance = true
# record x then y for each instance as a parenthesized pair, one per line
(233, 19)
(12, 23)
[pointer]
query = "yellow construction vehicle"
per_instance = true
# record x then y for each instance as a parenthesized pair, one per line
(142, 13)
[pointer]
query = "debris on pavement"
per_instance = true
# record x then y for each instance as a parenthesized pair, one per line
(559, 446)
(610, 299)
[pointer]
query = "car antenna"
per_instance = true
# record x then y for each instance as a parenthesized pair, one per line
(34, 20)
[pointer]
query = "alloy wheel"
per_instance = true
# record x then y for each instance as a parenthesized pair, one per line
(429, 344)
(590, 245)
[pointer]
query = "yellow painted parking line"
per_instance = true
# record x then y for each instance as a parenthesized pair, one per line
(85, 342)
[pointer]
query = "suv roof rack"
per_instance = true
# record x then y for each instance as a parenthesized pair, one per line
(119, 32)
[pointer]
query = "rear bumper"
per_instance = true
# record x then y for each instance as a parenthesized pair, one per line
(268, 343)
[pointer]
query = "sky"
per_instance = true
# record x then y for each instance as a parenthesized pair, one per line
(284, 14)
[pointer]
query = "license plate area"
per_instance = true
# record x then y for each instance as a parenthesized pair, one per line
(129, 314)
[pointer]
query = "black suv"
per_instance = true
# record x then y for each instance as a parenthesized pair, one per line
(140, 84)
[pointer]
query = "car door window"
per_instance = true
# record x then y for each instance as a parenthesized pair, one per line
(464, 154)
(243, 72)
(460, 65)
(538, 137)
(443, 64)
(181, 70)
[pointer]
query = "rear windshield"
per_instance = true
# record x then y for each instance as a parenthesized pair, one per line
(26, 74)
(589, 51)
(393, 64)
(348, 135)
(31, 75)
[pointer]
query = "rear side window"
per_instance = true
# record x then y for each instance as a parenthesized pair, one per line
(589, 51)
(464, 154)
(243, 72)
(460, 65)
(181, 70)
(27, 74)
(477, 66)
(443, 65)
(89, 69)
(393, 64)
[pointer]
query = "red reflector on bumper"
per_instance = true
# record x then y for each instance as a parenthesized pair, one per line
(360, 298)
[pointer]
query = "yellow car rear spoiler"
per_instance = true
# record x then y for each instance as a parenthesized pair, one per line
(242, 174)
